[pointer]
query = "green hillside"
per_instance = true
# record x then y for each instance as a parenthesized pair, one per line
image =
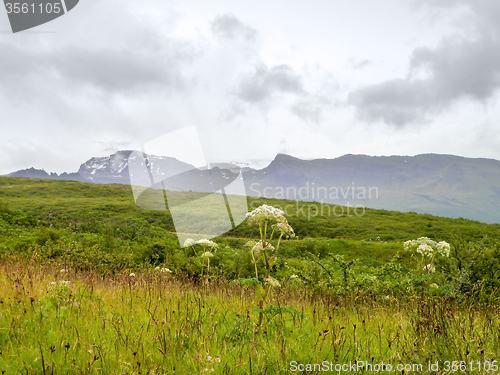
(92, 284)
(99, 226)
(63, 204)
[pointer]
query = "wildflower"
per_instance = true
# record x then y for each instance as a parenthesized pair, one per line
(273, 282)
(189, 242)
(208, 243)
(132, 274)
(266, 213)
(294, 276)
(285, 229)
(443, 248)
(258, 247)
(429, 268)
(207, 254)
(63, 270)
(250, 243)
(425, 250)
(165, 270)
(434, 286)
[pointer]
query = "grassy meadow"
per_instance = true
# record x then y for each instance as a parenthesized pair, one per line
(91, 284)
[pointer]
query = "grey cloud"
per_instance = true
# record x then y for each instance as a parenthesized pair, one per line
(309, 110)
(113, 70)
(230, 27)
(396, 102)
(264, 82)
(457, 68)
(119, 70)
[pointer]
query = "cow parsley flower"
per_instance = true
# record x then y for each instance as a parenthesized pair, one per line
(266, 213)
(189, 242)
(285, 229)
(208, 243)
(429, 268)
(443, 248)
(425, 250)
(258, 247)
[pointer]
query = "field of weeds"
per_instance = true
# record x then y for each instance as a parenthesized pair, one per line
(59, 321)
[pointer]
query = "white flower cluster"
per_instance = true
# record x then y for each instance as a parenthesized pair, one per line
(443, 248)
(285, 229)
(203, 242)
(62, 283)
(429, 268)
(208, 243)
(266, 213)
(189, 242)
(427, 248)
(258, 247)
(207, 254)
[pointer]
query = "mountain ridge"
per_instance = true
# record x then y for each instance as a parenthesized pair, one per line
(439, 184)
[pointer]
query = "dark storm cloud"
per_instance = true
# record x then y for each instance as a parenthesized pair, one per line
(264, 82)
(459, 67)
(230, 27)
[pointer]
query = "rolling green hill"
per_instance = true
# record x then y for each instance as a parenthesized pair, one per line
(65, 203)
(102, 225)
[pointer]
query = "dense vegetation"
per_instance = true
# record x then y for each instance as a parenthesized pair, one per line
(92, 282)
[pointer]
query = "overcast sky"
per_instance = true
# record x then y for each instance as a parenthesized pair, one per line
(314, 79)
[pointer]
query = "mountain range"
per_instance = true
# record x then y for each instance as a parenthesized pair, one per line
(442, 185)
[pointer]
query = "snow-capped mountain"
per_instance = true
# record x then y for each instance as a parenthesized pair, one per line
(115, 168)
(112, 169)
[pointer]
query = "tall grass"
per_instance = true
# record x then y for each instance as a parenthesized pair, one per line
(157, 323)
